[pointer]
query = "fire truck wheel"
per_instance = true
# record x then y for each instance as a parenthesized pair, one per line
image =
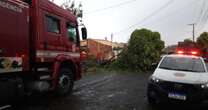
(66, 82)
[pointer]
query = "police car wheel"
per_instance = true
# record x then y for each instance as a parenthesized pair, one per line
(152, 101)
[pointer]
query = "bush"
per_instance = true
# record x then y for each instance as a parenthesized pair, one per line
(144, 48)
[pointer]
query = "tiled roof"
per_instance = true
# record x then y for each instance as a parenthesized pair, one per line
(106, 42)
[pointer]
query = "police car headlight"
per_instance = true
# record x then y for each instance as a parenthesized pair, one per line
(204, 86)
(155, 79)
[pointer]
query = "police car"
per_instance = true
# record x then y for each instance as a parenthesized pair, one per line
(178, 78)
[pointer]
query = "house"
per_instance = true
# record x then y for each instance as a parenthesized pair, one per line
(101, 49)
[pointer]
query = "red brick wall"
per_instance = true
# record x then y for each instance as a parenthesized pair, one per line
(99, 50)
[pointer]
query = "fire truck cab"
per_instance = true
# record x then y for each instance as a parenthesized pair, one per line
(39, 48)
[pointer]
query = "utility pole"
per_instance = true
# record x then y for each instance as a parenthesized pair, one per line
(112, 45)
(112, 40)
(193, 24)
(111, 37)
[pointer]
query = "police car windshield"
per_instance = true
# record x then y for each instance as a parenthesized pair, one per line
(182, 64)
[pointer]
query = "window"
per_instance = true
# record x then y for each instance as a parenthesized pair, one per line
(72, 33)
(53, 24)
(28, 1)
(183, 64)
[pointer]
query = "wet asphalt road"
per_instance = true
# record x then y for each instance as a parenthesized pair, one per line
(103, 91)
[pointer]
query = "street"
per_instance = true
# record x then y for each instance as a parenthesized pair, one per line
(46, 45)
(102, 91)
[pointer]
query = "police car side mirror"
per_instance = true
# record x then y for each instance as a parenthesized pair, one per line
(84, 33)
(154, 65)
(205, 59)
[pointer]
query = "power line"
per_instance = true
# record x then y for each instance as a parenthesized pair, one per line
(201, 11)
(206, 20)
(173, 12)
(110, 7)
(199, 18)
(204, 17)
(148, 17)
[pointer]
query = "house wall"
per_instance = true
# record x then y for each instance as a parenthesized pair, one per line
(100, 51)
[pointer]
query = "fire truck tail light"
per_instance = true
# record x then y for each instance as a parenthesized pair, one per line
(194, 53)
(180, 52)
(188, 53)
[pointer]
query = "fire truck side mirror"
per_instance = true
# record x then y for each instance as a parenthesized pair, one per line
(84, 33)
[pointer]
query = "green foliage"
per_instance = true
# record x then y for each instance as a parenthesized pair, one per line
(70, 5)
(202, 40)
(117, 48)
(144, 48)
(91, 62)
(188, 41)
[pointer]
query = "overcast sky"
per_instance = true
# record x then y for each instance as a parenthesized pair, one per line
(120, 17)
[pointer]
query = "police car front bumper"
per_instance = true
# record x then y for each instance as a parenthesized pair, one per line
(177, 92)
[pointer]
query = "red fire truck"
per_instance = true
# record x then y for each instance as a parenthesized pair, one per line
(192, 48)
(39, 48)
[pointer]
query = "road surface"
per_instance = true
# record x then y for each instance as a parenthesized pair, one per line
(102, 91)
